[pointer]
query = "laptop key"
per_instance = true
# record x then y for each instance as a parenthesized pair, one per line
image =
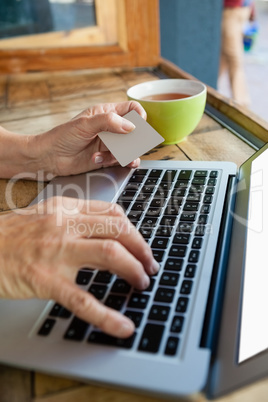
(173, 264)
(158, 255)
(201, 173)
(115, 301)
(157, 203)
(134, 216)
(47, 327)
(214, 174)
(135, 178)
(212, 182)
(197, 242)
(165, 185)
(185, 227)
(155, 173)
(172, 346)
(139, 206)
(181, 238)
(169, 279)
(151, 338)
(196, 189)
(84, 277)
(193, 197)
(164, 231)
(156, 212)
(172, 210)
(187, 217)
(207, 199)
(149, 222)
(160, 242)
(151, 286)
(164, 295)
(98, 291)
(194, 256)
(121, 286)
(151, 180)
(76, 330)
(159, 313)
(103, 277)
(185, 174)
(205, 209)
(177, 250)
(200, 230)
(199, 180)
(210, 190)
(105, 339)
(60, 311)
(146, 233)
(190, 271)
(191, 206)
(203, 219)
(138, 301)
(135, 316)
(169, 175)
(124, 204)
(177, 324)
(141, 172)
(186, 287)
(182, 304)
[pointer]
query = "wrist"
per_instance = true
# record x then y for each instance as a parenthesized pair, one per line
(22, 155)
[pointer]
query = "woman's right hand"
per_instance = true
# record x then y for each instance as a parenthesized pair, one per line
(43, 247)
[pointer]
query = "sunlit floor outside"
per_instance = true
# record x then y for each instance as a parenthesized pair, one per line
(256, 66)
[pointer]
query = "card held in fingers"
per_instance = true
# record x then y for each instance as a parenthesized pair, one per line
(128, 147)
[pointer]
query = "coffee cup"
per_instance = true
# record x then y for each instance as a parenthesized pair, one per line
(174, 106)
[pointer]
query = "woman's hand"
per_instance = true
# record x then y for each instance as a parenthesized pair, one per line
(74, 147)
(43, 247)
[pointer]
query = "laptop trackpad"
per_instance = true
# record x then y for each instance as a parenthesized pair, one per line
(102, 184)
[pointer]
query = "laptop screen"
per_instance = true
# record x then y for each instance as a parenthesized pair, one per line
(254, 323)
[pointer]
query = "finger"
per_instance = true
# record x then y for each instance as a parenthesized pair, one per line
(105, 159)
(124, 107)
(87, 308)
(121, 230)
(108, 255)
(120, 108)
(73, 207)
(110, 121)
(135, 164)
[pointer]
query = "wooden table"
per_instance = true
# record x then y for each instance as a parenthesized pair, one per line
(33, 103)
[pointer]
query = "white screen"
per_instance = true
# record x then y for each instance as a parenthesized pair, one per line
(254, 319)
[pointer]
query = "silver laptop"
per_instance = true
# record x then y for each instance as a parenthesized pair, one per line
(198, 324)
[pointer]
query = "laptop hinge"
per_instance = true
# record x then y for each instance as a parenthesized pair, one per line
(216, 293)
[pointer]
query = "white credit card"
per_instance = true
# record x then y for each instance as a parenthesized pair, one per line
(128, 147)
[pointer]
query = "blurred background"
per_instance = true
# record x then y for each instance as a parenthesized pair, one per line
(256, 65)
(190, 35)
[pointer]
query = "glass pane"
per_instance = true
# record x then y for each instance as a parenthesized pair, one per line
(28, 17)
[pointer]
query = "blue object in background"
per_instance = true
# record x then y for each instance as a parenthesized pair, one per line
(250, 34)
(191, 36)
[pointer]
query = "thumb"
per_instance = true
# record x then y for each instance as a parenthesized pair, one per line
(107, 122)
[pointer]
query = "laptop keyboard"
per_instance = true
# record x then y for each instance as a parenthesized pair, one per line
(171, 209)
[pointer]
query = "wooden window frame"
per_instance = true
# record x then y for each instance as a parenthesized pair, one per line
(138, 43)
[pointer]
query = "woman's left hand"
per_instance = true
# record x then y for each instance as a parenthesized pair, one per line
(75, 147)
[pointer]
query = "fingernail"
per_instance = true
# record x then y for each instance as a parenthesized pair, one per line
(146, 281)
(98, 159)
(155, 267)
(127, 125)
(126, 329)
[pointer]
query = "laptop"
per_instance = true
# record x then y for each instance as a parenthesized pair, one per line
(201, 325)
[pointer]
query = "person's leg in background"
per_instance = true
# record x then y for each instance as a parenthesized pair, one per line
(233, 22)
